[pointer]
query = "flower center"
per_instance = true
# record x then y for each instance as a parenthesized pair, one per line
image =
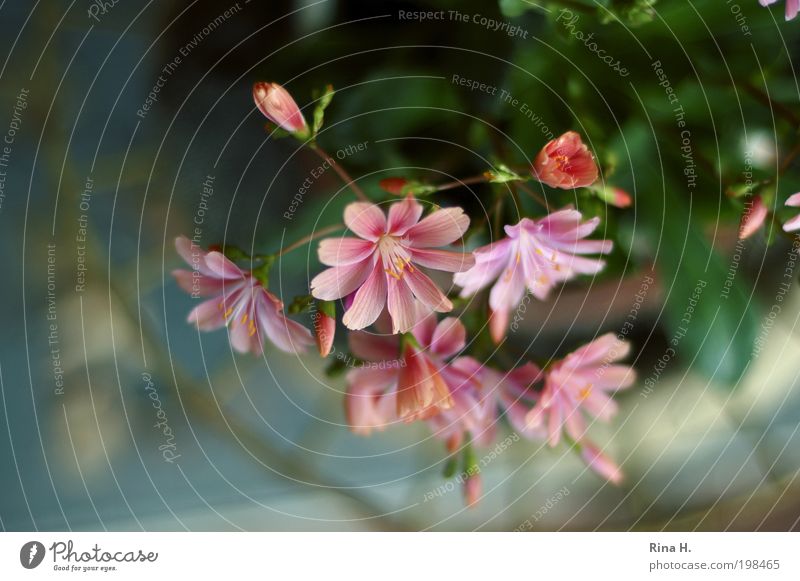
(563, 163)
(394, 256)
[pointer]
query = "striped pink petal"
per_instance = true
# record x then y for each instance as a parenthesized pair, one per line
(445, 260)
(339, 281)
(368, 301)
(449, 337)
(344, 251)
(426, 291)
(440, 228)
(208, 315)
(403, 215)
(287, 335)
(365, 219)
(402, 308)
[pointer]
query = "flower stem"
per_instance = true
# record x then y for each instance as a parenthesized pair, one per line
(539, 199)
(309, 238)
(341, 171)
(479, 179)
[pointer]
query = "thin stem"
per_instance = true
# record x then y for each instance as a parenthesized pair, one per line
(309, 238)
(535, 196)
(498, 216)
(465, 182)
(342, 173)
(763, 97)
(787, 161)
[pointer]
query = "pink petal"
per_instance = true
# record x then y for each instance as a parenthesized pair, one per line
(794, 200)
(287, 335)
(198, 284)
(426, 291)
(193, 255)
(403, 215)
(439, 229)
(604, 349)
(208, 315)
(449, 337)
(601, 463)
(426, 324)
(344, 251)
(368, 302)
(792, 225)
(443, 259)
(508, 290)
(245, 338)
(489, 262)
(222, 267)
(339, 281)
(366, 406)
(614, 377)
(365, 219)
(401, 305)
(583, 246)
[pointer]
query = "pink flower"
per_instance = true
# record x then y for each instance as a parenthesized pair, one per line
(792, 7)
(536, 255)
(565, 163)
(480, 395)
(382, 266)
(240, 303)
(794, 223)
(753, 217)
(402, 385)
(581, 383)
(277, 105)
(600, 463)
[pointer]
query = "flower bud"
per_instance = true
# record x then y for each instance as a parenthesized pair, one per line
(472, 490)
(325, 326)
(614, 196)
(498, 325)
(755, 212)
(794, 223)
(277, 105)
(393, 185)
(565, 163)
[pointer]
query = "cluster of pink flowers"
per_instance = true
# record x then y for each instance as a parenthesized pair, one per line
(383, 277)
(462, 399)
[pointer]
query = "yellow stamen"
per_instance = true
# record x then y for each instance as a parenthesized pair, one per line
(584, 393)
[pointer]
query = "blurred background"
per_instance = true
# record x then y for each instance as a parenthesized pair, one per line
(127, 124)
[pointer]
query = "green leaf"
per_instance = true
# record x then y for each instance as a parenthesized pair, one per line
(300, 304)
(502, 174)
(336, 368)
